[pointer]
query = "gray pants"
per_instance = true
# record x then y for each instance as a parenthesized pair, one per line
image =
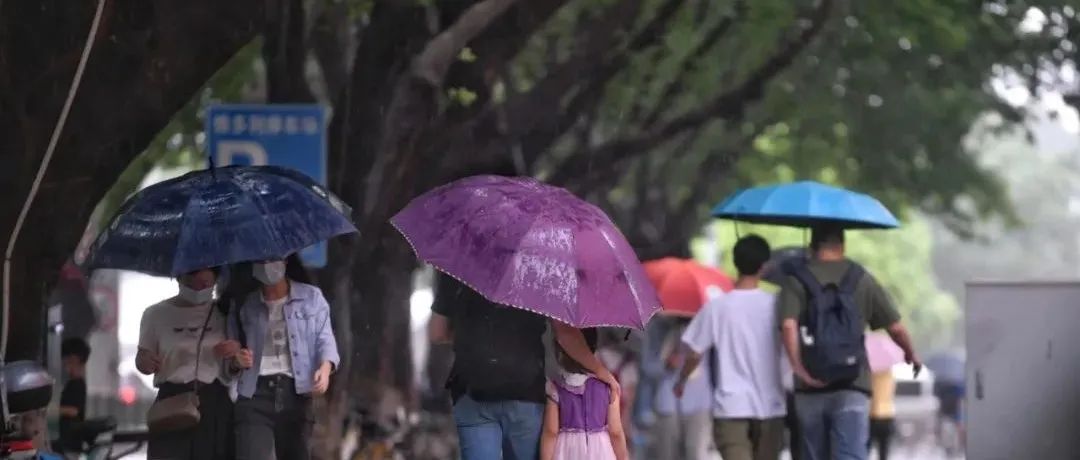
(275, 423)
(684, 436)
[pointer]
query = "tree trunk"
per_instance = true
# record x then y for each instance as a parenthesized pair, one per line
(149, 58)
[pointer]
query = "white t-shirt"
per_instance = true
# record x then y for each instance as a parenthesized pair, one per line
(171, 331)
(742, 327)
(276, 358)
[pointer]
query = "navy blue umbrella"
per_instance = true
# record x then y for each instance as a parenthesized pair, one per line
(805, 204)
(219, 216)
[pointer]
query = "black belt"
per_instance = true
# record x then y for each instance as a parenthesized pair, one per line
(276, 380)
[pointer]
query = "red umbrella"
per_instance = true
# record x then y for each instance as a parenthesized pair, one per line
(684, 285)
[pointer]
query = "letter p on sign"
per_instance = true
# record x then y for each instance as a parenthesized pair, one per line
(240, 153)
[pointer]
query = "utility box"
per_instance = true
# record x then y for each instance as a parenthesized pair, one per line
(1023, 370)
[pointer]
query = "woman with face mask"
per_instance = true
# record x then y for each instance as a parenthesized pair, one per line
(288, 354)
(182, 343)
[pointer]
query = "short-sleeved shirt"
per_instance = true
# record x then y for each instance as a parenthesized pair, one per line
(740, 326)
(172, 331)
(875, 307)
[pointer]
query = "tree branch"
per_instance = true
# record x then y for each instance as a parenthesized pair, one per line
(433, 63)
(728, 106)
(674, 87)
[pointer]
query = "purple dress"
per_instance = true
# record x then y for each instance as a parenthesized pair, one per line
(583, 412)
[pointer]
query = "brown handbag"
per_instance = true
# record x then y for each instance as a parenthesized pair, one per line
(181, 411)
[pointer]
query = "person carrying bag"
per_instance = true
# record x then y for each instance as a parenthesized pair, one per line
(182, 344)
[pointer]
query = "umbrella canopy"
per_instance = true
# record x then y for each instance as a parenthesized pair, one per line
(685, 285)
(805, 204)
(882, 352)
(219, 216)
(948, 366)
(532, 246)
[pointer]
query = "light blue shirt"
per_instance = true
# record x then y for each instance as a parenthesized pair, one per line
(697, 396)
(311, 337)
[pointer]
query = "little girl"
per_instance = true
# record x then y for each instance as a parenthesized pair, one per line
(581, 421)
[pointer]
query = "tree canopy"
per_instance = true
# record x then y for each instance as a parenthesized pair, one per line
(653, 109)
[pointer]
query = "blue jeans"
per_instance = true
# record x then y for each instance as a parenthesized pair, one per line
(836, 422)
(494, 430)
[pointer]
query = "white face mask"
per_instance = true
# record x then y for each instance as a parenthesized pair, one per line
(196, 297)
(269, 273)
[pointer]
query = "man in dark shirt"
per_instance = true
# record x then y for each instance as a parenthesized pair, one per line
(74, 353)
(497, 379)
(836, 418)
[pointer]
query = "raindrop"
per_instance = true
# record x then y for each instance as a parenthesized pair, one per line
(934, 60)
(904, 43)
(874, 101)
(1067, 46)
(1058, 55)
(839, 90)
(1068, 11)
(851, 22)
(200, 138)
(843, 73)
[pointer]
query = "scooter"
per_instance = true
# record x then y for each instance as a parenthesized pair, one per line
(29, 388)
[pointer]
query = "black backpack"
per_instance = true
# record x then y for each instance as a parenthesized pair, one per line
(831, 327)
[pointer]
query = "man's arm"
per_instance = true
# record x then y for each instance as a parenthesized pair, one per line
(900, 335)
(692, 360)
(883, 315)
(790, 333)
(573, 343)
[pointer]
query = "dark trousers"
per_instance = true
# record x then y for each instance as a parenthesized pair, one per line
(274, 423)
(792, 422)
(881, 434)
(210, 440)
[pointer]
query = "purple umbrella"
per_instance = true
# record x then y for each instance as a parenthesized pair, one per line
(531, 246)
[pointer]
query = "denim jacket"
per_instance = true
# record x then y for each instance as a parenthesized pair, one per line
(311, 337)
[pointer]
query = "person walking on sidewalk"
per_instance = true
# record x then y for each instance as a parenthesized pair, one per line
(825, 306)
(497, 382)
(749, 401)
(289, 353)
(683, 428)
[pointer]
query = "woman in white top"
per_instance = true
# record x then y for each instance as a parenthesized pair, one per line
(168, 338)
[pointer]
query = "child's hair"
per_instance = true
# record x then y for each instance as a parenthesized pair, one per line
(568, 363)
(75, 347)
(751, 253)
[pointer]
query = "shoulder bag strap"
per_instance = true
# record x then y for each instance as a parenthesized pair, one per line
(198, 344)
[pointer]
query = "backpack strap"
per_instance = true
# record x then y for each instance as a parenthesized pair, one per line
(801, 271)
(851, 278)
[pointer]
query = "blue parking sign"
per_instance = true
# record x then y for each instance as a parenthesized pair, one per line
(289, 135)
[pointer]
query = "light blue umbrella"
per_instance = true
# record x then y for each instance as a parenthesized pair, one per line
(805, 204)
